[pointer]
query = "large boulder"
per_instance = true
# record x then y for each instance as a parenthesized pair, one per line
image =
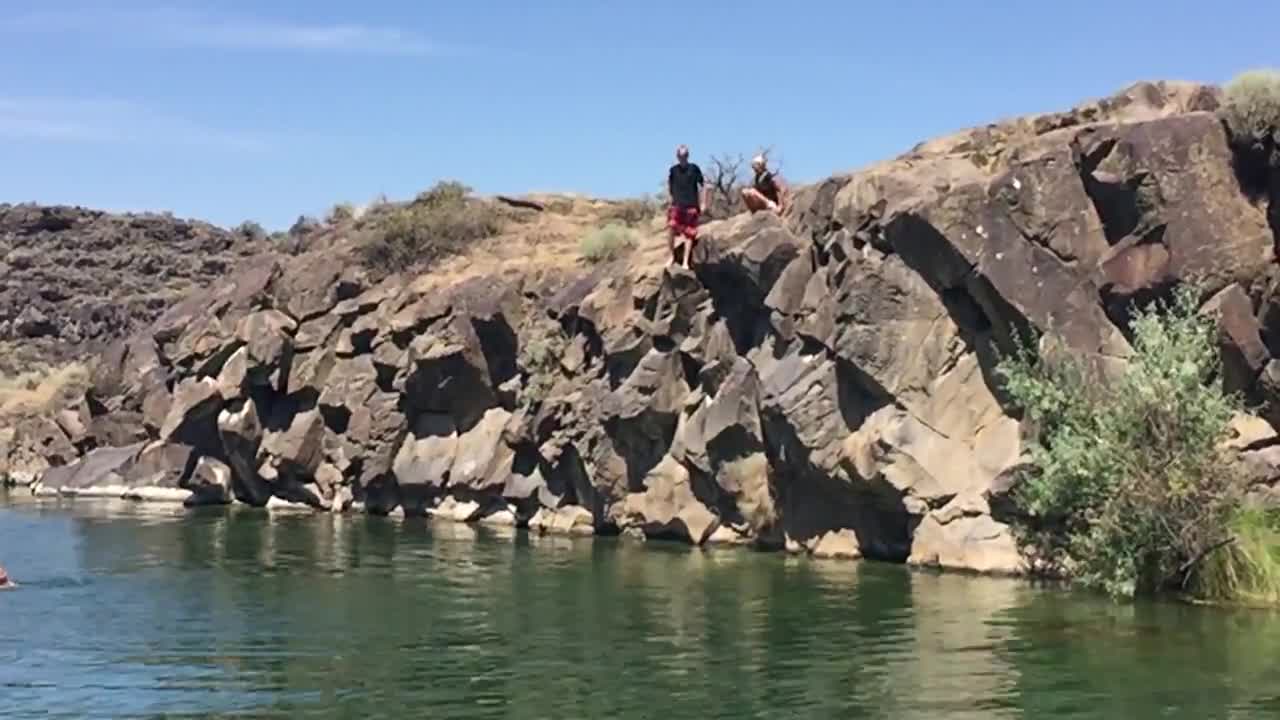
(667, 507)
(747, 256)
(1170, 204)
(483, 459)
(266, 349)
(293, 452)
(159, 471)
(450, 373)
(161, 465)
(193, 415)
(240, 431)
(125, 374)
(962, 231)
(723, 438)
(100, 473)
(1244, 354)
(31, 445)
(210, 483)
(964, 536)
(569, 520)
(640, 420)
(428, 452)
(368, 422)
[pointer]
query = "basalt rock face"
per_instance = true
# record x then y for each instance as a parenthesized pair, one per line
(72, 279)
(820, 383)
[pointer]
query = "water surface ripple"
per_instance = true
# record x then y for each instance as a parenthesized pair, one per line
(133, 611)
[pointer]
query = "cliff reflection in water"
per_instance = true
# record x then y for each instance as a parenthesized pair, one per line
(144, 611)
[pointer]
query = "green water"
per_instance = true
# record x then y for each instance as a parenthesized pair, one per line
(126, 611)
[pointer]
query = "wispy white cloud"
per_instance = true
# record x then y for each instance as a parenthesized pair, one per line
(114, 122)
(184, 28)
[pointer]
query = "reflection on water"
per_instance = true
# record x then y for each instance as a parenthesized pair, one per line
(132, 610)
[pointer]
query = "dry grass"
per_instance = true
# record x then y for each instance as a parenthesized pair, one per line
(635, 212)
(41, 391)
(543, 242)
(1246, 571)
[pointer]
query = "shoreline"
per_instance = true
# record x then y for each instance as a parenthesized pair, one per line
(15, 497)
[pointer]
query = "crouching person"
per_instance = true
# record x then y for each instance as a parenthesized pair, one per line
(767, 191)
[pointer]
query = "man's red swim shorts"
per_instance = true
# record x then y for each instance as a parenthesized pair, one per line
(684, 221)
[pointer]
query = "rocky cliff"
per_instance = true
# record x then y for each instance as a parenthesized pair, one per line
(820, 383)
(72, 280)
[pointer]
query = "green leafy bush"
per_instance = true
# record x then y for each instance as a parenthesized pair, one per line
(1251, 107)
(440, 222)
(607, 242)
(1130, 488)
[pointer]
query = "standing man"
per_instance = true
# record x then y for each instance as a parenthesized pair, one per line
(767, 191)
(688, 195)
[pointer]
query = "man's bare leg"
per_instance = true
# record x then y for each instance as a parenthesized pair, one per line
(756, 201)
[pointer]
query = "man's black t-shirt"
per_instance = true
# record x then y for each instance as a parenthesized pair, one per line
(767, 186)
(684, 181)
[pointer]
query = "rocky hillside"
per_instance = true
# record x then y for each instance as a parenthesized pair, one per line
(73, 279)
(820, 383)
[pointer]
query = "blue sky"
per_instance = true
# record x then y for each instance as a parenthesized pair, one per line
(266, 110)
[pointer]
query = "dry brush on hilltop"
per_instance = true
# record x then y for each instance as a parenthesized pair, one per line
(439, 223)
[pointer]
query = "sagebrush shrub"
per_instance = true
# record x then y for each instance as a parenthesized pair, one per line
(251, 230)
(304, 225)
(440, 222)
(443, 193)
(341, 212)
(1251, 107)
(607, 242)
(1129, 486)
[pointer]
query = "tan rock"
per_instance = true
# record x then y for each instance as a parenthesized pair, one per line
(962, 536)
(1247, 430)
(193, 415)
(568, 520)
(842, 544)
(668, 506)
